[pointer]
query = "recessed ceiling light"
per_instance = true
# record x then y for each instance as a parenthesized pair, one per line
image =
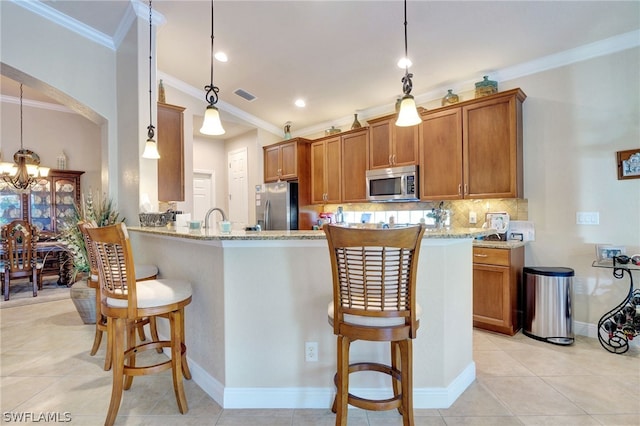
(404, 63)
(221, 56)
(301, 103)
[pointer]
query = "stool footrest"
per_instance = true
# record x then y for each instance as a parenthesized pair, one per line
(131, 370)
(374, 404)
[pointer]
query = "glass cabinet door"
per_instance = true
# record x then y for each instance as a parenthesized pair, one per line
(10, 204)
(40, 202)
(66, 196)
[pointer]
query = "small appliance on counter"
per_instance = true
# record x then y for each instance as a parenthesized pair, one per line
(498, 221)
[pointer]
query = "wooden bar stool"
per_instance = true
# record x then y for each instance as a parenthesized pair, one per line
(143, 272)
(374, 299)
(125, 301)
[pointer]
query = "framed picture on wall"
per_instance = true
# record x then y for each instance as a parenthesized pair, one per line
(606, 252)
(628, 164)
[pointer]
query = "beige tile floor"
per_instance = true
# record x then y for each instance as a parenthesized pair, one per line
(45, 367)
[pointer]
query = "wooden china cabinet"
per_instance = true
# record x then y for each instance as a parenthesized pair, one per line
(51, 199)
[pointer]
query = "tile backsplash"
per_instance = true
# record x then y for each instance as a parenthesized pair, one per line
(413, 212)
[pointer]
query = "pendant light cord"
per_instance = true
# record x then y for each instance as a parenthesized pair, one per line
(21, 117)
(212, 91)
(150, 129)
(407, 84)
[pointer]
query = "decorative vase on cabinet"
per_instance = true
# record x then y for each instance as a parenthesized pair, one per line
(356, 124)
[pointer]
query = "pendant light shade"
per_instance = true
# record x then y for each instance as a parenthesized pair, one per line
(408, 115)
(151, 150)
(150, 147)
(212, 124)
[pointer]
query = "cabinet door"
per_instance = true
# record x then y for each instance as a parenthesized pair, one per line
(492, 148)
(317, 173)
(380, 145)
(491, 298)
(288, 161)
(272, 163)
(441, 156)
(354, 167)
(333, 170)
(405, 145)
(42, 215)
(12, 205)
(325, 171)
(171, 149)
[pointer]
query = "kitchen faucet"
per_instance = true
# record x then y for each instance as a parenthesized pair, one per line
(211, 210)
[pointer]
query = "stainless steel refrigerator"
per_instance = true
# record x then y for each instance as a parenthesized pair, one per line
(277, 206)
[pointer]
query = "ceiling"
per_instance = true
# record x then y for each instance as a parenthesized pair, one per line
(340, 56)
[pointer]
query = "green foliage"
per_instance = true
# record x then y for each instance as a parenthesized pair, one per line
(103, 212)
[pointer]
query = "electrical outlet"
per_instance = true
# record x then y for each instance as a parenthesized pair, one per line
(311, 351)
(472, 217)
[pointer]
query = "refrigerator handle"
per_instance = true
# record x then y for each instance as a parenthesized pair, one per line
(267, 208)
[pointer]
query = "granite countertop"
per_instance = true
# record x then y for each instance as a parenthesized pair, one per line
(214, 234)
(499, 244)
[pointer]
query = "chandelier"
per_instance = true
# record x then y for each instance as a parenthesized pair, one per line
(25, 172)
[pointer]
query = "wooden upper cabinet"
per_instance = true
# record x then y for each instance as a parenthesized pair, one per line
(473, 149)
(441, 156)
(354, 166)
(326, 170)
(390, 145)
(281, 160)
(492, 142)
(171, 148)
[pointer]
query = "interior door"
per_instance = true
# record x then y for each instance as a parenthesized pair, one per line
(238, 191)
(203, 193)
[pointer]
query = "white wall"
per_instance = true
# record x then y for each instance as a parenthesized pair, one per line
(47, 133)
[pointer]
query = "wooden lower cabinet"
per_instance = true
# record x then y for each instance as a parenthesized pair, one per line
(497, 277)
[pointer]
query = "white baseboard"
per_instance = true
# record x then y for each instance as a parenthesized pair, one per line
(321, 397)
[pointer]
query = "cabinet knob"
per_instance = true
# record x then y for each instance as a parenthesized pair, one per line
(466, 189)
(481, 255)
(460, 189)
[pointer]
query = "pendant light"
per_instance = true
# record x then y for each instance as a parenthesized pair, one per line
(211, 124)
(408, 115)
(150, 147)
(26, 171)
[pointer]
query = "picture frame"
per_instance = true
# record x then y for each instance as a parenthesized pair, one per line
(628, 164)
(606, 252)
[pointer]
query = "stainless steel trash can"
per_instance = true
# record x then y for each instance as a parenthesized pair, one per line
(548, 294)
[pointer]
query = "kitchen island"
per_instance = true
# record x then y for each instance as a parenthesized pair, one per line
(259, 296)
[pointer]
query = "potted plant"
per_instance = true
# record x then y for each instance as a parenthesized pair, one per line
(103, 212)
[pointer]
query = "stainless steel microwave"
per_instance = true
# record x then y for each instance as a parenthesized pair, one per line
(393, 184)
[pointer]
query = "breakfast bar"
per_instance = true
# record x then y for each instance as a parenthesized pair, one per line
(258, 297)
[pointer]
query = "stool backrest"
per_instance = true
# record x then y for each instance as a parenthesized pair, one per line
(88, 243)
(374, 272)
(116, 271)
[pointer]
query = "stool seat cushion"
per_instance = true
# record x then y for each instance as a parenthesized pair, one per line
(145, 271)
(372, 321)
(152, 293)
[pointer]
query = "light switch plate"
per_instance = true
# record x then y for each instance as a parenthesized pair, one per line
(587, 218)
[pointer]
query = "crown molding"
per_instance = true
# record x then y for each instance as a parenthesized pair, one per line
(36, 104)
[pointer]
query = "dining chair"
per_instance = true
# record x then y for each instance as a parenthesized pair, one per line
(374, 299)
(125, 301)
(19, 258)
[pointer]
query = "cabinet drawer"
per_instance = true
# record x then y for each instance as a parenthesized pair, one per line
(491, 256)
